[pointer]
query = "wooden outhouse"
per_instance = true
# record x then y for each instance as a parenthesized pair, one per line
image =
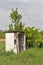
(15, 41)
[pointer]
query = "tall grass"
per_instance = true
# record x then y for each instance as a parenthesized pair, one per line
(33, 56)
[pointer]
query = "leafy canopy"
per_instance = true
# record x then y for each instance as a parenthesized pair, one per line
(16, 20)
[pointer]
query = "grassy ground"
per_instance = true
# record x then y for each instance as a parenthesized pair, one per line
(29, 57)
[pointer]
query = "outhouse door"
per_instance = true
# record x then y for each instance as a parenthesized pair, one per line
(21, 42)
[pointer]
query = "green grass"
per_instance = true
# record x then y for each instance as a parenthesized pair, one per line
(33, 56)
(2, 46)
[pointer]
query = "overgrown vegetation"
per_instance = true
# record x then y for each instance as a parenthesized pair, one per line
(34, 40)
(33, 56)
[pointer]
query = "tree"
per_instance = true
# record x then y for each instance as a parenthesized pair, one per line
(16, 19)
(33, 36)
